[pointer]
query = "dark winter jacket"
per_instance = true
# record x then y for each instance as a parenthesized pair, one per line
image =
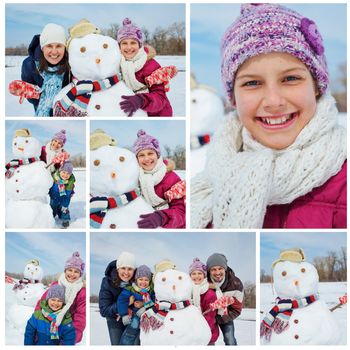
(30, 72)
(175, 215)
(323, 207)
(37, 331)
(54, 192)
(232, 287)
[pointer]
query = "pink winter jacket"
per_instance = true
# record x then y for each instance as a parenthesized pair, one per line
(209, 297)
(323, 207)
(175, 215)
(78, 311)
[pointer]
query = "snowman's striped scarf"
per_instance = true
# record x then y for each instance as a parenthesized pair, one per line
(277, 319)
(16, 163)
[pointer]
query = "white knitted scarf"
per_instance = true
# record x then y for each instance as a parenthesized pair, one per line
(70, 292)
(219, 294)
(197, 290)
(50, 154)
(242, 177)
(149, 179)
(130, 67)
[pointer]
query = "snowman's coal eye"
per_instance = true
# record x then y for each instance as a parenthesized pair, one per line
(284, 273)
(36, 269)
(163, 279)
(194, 100)
(122, 158)
(180, 278)
(26, 141)
(303, 270)
(82, 49)
(105, 46)
(96, 162)
(15, 143)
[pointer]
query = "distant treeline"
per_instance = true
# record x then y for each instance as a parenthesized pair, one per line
(170, 40)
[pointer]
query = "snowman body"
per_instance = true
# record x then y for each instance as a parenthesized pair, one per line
(313, 324)
(207, 109)
(115, 171)
(27, 189)
(97, 57)
(185, 326)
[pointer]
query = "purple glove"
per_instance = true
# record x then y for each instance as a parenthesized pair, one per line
(131, 104)
(152, 220)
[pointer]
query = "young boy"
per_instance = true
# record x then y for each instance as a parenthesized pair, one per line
(61, 192)
(41, 328)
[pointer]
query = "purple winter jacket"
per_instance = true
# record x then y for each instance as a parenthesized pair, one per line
(323, 207)
(206, 299)
(77, 310)
(156, 102)
(175, 215)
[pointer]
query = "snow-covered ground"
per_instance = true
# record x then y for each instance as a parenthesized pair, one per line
(329, 292)
(244, 328)
(176, 95)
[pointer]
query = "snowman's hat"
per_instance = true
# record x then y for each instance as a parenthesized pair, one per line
(164, 265)
(293, 255)
(82, 28)
(194, 85)
(34, 262)
(23, 133)
(99, 138)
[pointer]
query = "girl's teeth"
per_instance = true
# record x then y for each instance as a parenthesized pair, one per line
(276, 121)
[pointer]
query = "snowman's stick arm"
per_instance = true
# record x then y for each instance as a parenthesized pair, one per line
(336, 307)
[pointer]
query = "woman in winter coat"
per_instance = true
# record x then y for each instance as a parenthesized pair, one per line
(47, 67)
(137, 63)
(156, 179)
(118, 275)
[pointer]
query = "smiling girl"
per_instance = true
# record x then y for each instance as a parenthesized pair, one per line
(47, 66)
(280, 160)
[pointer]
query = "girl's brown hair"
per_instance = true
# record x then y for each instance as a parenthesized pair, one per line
(63, 65)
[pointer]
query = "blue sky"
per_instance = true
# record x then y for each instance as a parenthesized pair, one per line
(313, 244)
(43, 130)
(209, 22)
(168, 132)
(25, 20)
(181, 247)
(52, 249)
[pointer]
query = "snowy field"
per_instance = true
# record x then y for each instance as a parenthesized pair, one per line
(244, 328)
(329, 292)
(176, 95)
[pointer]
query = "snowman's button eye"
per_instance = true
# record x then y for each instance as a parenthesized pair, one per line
(303, 270)
(97, 162)
(163, 279)
(194, 100)
(284, 273)
(122, 158)
(105, 46)
(15, 143)
(180, 277)
(82, 49)
(26, 141)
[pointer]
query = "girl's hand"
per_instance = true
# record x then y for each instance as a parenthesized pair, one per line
(152, 220)
(131, 104)
(138, 304)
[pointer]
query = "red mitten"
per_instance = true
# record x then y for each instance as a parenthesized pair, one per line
(60, 158)
(24, 90)
(177, 191)
(162, 76)
(344, 299)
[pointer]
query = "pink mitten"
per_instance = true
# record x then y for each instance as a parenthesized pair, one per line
(24, 90)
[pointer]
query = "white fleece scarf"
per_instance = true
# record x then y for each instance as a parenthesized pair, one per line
(242, 177)
(149, 179)
(219, 294)
(50, 154)
(129, 67)
(197, 290)
(70, 292)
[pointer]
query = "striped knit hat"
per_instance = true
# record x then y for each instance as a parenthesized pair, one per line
(266, 28)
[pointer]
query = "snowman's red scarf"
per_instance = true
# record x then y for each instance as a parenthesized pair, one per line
(23, 282)
(76, 100)
(199, 141)
(16, 163)
(277, 319)
(154, 317)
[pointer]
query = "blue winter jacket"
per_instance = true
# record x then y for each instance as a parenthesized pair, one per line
(55, 196)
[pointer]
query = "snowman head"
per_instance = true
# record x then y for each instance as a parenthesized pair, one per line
(33, 270)
(172, 285)
(25, 146)
(114, 171)
(94, 57)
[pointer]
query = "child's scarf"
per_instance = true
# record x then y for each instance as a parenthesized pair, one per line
(51, 316)
(16, 163)
(60, 183)
(145, 293)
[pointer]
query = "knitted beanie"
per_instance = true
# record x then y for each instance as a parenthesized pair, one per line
(76, 262)
(60, 136)
(67, 167)
(145, 141)
(143, 271)
(197, 265)
(130, 31)
(266, 28)
(23, 133)
(99, 138)
(56, 291)
(126, 259)
(294, 255)
(82, 28)
(217, 259)
(52, 33)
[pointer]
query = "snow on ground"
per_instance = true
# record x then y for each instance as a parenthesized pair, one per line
(329, 291)
(244, 328)
(176, 95)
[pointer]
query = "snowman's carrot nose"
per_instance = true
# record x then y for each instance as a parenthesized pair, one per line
(20, 149)
(98, 60)
(296, 283)
(174, 287)
(113, 175)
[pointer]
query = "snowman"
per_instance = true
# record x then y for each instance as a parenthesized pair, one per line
(174, 320)
(27, 293)
(207, 108)
(27, 184)
(93, 57)
(299, 316)
(114, 174)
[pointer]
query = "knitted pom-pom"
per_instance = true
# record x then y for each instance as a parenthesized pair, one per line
(76, 254)
(63, 131)
(126, 21)
(141, 132)
(196, 260)
(245, 8)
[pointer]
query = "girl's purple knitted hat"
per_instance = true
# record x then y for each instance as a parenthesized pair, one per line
(145, 141)
(266, 28)
(76, 262)
(197, 265)
(60, 136)
(129, 31)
